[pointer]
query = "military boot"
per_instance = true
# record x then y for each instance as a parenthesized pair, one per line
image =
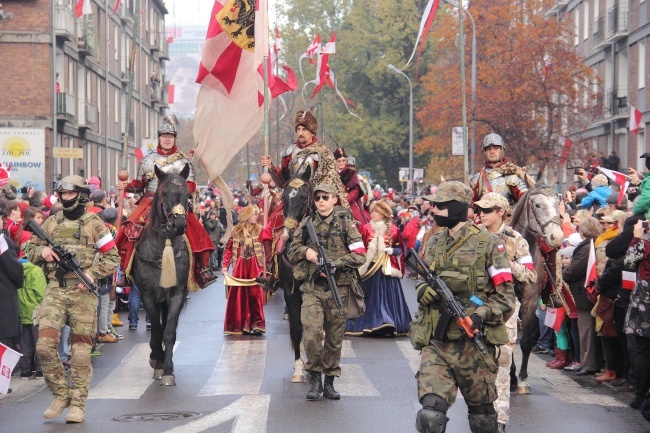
(56, 408)
(75, 414)
(316, 389)
(328, 389)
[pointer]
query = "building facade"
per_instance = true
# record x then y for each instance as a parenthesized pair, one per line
(66, 80)
(612, 35)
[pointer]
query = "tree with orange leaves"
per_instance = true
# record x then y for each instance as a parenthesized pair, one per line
(532, 86)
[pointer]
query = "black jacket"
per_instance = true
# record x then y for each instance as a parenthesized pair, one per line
(576, 273)
(11, 279)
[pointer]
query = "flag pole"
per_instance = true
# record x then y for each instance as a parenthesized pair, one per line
(265, 177)
(123, 174)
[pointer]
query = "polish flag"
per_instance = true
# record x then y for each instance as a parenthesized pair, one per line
(330, 46)
(629, 280)
(8, 360)
(554, 318)
(141, 152)
(621, 179)
(527, 261)
(592, 275)
(635, 120)
(106, 243)
(3, 244)
(500, 275)
(313, 49)
(83, 8)
(357, 247)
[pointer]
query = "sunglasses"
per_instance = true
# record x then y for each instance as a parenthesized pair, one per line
(440, 205)
(485, 210)
(324, 197)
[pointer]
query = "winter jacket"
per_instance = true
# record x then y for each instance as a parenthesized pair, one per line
(215, 230)
(31, 294)
(576, 273)
(11, 278)
(642, 205)
(637, 319)
(598, 194)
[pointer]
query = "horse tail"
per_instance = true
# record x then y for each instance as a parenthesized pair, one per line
(168, 271)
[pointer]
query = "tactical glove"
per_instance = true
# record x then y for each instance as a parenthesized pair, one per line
(425, 294)
(477, 321)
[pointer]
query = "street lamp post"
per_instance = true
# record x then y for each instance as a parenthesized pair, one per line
(472, 149)
(394, 70)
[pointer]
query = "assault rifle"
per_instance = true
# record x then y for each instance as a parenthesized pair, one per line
(68, 261)
(324, 266)
(450, 306)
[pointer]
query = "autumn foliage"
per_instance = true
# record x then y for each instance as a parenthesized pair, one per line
(532, 86)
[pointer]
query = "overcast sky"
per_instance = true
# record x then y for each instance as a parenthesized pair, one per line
(195, 12)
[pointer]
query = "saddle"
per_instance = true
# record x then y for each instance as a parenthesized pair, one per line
(132, 230)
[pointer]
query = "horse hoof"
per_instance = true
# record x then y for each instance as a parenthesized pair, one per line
(298, 378)
(524, 388)
(168, 381)
(157, 374)
(298, 372)
(152, 363)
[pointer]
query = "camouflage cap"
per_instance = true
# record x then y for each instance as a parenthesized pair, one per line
(325, 187)
(493, 199)
(453, 190)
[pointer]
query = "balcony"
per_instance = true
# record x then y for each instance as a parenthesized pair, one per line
(90, 117)
(86, 36)
(154, 42)
(618, 21)
(600, 40)
(65, 107)
(164, 51)
(127, 12)
(556, 7)
(64, 23)
(617, 102)
(597, 112)
(124, 69)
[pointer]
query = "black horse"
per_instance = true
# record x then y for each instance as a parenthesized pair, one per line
(161, 267)
(536, 217)
(296, 201)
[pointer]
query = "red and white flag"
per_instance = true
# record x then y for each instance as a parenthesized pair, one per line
(635, 120)
(592, 274)
(229, 108)
(141, 152)
(629, 280)
(554, 318)
(313, 49)
(3, 244)
(566, 144)
(621, 179)
(105, 243)
(8, 360)
(83, 8)
(5, 174)
(323, 68)
(117, 6)
(425, 25)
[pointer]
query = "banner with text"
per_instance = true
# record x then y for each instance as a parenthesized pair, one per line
(24, 150)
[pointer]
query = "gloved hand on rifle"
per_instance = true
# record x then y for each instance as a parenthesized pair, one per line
(425, 294)
(477, 321)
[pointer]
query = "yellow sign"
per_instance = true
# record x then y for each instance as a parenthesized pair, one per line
(68, 152)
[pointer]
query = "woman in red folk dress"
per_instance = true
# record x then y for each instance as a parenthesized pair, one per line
(245, 307)
(387, 313)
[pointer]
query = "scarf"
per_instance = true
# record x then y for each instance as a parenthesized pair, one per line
(609, 234)
(162, 151)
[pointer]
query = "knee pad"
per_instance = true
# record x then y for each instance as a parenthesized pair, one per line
(432, 418)
(505, 355)
(483, 419)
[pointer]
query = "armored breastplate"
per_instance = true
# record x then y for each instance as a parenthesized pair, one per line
(497, 184)
(167, 163)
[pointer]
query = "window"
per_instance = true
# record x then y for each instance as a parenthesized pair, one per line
(585, 29)
(576, 26)
(642, 63)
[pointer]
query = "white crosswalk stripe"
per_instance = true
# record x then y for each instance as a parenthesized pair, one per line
(354, 382)
(411, 355)
(240, 369)
(347, 350)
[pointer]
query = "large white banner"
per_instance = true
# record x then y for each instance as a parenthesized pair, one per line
(24, 150)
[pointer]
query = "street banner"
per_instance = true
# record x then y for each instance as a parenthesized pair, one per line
(457, 145)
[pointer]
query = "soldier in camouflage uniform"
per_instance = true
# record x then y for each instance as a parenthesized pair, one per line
(492, 209)
(473, 263)
(498, 175)
(344, 247)
(67, 299)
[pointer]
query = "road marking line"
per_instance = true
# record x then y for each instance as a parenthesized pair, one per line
(412, 355)
(249, 412)
(130, 379)
(347, 351)
(354, 382)
(240, 369)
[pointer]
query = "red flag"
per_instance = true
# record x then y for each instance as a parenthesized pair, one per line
(635, 120)
(566, 149)
(313, 48)
(592, 274)
(323, 66)
(621, 179)
(4, 174)
(170, 93)
(425, 25)
(83, 8)
(117, 6)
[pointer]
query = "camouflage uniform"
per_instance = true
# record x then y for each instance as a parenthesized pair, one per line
(523, 272)
(63, 301)
(477, 266)
(319, 312)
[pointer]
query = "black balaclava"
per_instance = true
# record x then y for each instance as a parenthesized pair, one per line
(457, 212)
(73, 209)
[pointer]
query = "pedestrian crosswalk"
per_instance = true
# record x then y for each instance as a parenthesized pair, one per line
(240, 369)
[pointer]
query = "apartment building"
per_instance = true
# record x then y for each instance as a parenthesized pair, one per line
(612, 35)
(64, 85)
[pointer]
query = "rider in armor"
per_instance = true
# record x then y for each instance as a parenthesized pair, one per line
(169, 159)
(498, 175)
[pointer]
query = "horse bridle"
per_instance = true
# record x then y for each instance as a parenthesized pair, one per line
(553, 220)
(176, 210)
(297, 183)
